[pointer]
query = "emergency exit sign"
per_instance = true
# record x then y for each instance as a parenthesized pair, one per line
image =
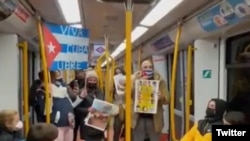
(206, 74)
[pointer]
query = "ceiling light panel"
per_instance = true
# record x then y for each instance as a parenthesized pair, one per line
(70, 10)
(161, 9)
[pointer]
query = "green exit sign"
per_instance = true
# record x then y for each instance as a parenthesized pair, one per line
(207, 74)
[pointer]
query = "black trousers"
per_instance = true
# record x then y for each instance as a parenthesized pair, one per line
(76, 129)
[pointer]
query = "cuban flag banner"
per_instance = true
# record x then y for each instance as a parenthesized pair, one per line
(66, 47)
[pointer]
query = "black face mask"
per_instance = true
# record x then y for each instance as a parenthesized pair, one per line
(210, 112)
(81, 82)
(92, 85)
(60, 80)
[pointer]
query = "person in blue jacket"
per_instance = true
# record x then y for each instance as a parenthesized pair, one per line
(61, 108)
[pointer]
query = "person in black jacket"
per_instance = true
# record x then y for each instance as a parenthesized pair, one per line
(32, 97)
(61, 109)
(92, 91)
(10, 125)
(74, 88)
(241, 103)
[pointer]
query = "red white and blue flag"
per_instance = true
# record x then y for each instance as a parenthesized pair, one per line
(66, 47)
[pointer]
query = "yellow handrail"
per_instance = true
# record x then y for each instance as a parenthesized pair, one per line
(107, 75)
(99, 70)
(188, 88)
(45, 70)
(25, 78)
(173, 84)
(128, 60)
(139, 57)
(110, 77)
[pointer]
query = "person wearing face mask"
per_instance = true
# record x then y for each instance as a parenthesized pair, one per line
(61, 109)
(201, 131)
(10, 126)
(119, 71)
(117, 122)
(59, 77)
(149, 125)
(88, 95)
(74, 88)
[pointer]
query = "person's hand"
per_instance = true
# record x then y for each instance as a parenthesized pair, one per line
(138, 74)
(83, 94)
(91, 110)
(104, 115)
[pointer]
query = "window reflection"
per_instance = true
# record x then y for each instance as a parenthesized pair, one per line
(238, 64)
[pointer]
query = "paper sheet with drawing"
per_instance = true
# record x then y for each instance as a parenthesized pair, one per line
(146, 96)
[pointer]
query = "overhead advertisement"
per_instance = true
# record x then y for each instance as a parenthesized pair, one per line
(162, 43)
(227, 13)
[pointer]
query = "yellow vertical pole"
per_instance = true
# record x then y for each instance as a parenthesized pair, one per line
(99, 71)
(45, 69)
(139, 58)
(173, 84)
(128, 60)
(107, 75)
(188, 88)
(25, 77)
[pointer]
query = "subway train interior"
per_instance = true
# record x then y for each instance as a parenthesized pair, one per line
(195, 45)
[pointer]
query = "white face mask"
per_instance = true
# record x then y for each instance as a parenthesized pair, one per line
(19, 125)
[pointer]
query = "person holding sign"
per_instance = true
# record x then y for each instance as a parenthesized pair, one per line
(90, 92)
(119, 99)
(149, 123)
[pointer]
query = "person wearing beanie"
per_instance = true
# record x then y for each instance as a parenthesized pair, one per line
(90, 92)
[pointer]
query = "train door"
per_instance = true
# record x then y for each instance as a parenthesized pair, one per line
(191, 106)
(179, 104)
(180, 92)
(178, 107)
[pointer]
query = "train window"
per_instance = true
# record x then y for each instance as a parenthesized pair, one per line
(238, 64)
(236, 48)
